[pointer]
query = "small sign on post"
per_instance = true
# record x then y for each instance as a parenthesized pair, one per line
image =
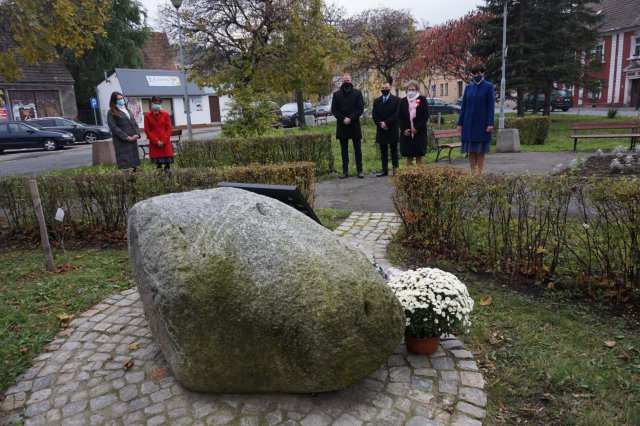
(94, 107)
(44, 236)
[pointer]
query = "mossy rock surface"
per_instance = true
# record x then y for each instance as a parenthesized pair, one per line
(245, 294)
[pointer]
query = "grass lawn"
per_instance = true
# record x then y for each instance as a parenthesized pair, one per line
(34, 304)
(545, 360)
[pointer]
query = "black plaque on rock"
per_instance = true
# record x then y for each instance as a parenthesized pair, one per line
(288, 194)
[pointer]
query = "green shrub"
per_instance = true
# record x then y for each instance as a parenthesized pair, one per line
(523, 226)
(98, 202)
(533, 130)
(260, 150)
(250, 114)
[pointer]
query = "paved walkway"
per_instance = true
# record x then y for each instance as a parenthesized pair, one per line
(373, 194)
(106, 369)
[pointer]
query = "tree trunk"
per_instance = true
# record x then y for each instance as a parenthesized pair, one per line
(302, 122)
(547, 99)
(520, 100)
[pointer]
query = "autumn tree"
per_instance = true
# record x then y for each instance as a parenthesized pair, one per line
(380, 39)
(120, 46)
(33, 31)
(282, 45)
(444, 50)
(301, 59)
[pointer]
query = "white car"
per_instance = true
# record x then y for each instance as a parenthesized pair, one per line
(324, 106)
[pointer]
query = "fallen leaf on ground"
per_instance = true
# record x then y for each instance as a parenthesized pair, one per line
(625, 356)
(610, 343)
(158, 373)
(486, 300)
(133, 346)
(127, 365)
(64, 317)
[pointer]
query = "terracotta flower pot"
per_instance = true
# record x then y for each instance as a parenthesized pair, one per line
(422, 345)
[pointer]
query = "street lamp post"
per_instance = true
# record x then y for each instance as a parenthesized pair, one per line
(187, 104)
(503, 81)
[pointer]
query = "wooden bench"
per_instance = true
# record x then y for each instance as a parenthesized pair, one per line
(633, 128)
(175, 143)
(439, 135)
(321, 117)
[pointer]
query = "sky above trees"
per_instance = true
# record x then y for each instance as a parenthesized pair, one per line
(433, 12)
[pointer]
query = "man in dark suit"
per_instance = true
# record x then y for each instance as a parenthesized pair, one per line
(347, 106)
(385, 115)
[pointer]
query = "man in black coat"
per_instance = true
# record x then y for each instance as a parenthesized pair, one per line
(385, 115)
(347, 106)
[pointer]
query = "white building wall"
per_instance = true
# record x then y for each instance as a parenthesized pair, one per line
(618, 79)
(105, 89)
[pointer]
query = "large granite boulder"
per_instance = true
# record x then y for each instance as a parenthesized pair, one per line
(246, 294)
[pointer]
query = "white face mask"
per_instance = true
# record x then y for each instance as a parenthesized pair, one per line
(412, 94)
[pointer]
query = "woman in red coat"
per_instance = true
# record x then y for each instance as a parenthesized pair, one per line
(157, 126)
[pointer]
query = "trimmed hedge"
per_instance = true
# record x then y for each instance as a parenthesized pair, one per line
(100, 201)
(532, 130)
(261, 150)
(580, 232)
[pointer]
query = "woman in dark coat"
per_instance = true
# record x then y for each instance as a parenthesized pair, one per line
(476, 118)
(413, 116)
(125, 131)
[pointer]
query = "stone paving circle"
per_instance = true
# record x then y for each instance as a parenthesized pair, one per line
(106, 369)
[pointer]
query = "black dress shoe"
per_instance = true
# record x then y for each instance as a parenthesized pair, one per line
(344, 176)
(382, 173)
(360, 175)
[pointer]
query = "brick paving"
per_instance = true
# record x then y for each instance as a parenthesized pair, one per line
(106, 369)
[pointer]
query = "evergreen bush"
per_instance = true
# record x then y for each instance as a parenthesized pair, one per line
(261, 150)
(533, 130)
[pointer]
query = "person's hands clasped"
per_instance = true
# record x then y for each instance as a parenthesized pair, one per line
(133, 138)
(407, 132)
(160, 144)
(346, 121)
(489, 129)
(384, 126)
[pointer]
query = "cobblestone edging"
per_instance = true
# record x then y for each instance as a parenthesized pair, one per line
(106, 369)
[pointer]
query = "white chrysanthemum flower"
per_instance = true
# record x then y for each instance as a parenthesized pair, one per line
(620, 151)
(615, 165)
(599, 153)
(434, 301)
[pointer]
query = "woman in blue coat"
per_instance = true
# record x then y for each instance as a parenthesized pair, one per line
(476, 118)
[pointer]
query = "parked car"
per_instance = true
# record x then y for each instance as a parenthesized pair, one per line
(560, 99)
(324, 106)
(290, 113)
(439, 106)
(82, 132)
(19, 134)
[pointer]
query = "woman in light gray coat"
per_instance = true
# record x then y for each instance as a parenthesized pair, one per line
(125, 131)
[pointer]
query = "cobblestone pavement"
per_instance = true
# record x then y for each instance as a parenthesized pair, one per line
(106, 369)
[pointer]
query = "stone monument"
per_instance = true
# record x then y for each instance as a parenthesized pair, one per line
(246, 294)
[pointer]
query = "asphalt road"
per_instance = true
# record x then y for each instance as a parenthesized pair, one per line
(29, 162)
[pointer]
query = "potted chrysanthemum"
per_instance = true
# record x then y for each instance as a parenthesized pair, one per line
(435, 302)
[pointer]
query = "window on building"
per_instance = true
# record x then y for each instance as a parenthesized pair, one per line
(433, 89)
(441, 89)
(594, 95)
(597, 53)
(446, 89)
(635, 46)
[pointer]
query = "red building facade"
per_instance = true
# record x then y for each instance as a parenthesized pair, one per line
(619, 51)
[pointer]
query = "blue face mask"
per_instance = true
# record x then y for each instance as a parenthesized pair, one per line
(156, 107)
(120, 102)
(478, 78)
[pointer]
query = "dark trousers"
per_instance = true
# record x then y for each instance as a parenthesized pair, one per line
(384, 155)
(344, 151)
